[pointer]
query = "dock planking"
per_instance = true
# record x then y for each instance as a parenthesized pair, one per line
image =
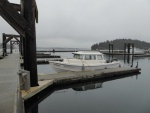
(46, 61)
(144, 55)
(9, 83)
(77, 77)
(47, 56)
(70, 77)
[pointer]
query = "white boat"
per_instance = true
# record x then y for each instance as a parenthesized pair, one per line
(84, 60)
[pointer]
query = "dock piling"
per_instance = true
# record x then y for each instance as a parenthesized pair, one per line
(24, 79)
(28, 12)
(111, 47)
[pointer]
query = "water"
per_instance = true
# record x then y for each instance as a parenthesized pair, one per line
(124, 95)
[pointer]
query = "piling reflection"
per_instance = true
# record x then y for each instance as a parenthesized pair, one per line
(32, 105)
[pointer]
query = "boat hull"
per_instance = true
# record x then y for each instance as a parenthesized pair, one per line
(58, 67)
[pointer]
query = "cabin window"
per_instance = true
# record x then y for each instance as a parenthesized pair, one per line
(77, 56)
(99, 57)
(90, 57)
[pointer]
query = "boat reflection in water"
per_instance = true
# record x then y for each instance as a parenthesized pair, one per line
(32, 105)
(88, 87)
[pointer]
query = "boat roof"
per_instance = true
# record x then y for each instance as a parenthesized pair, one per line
(88, 53)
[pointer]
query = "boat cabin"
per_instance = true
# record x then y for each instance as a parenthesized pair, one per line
(86, 55)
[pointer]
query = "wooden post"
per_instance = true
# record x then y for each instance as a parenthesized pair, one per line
(30, 42)
(11, 47)
(17, 21)
(21, 44)
(24, 53)
(132, 48)
(125, 47)
(109, 48)
(132, 53)
(112, 49)
(109, 52)
(4, 45)
(25, 25)
(53, 50)
(128, 59)
(128, 48)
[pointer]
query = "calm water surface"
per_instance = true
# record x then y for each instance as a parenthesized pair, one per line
(125, 95)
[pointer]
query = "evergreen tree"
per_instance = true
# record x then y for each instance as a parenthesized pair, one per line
(119, 44)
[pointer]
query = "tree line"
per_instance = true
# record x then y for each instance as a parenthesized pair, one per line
(119, 44)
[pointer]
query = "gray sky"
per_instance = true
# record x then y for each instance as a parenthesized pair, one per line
(82, 23)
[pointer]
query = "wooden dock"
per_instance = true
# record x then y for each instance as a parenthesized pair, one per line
(11, 99)
(53, 51)
(9, 67)
(91, 84)
(76, 77)
(46, 60)
(123, 53)
(144, 55)
(47, 56)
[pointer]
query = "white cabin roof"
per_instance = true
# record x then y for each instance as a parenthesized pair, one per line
(88, 53)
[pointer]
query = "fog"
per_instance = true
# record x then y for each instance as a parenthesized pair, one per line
(82, 23)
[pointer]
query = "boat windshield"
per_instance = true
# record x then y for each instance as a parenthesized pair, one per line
(78, 56)
(90, 57)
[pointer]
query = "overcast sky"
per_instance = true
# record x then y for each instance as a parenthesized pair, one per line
(82, 23)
